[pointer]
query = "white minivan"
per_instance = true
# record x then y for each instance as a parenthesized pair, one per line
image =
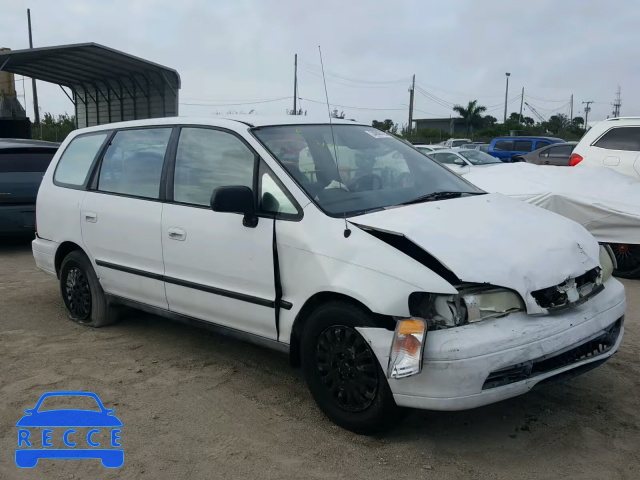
(392, 281)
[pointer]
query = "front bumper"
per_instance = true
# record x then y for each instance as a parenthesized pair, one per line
(460, 362)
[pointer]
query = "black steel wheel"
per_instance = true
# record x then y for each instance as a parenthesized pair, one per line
(628, 259)
(347, 367)
(342, 371)
(78, 294)
(82, 293)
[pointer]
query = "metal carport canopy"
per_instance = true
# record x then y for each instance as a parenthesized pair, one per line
(107, 85)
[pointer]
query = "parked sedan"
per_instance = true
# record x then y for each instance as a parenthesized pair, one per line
(557, 154)
(463, 161)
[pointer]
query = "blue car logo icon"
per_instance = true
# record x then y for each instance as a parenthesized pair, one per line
(38, 427)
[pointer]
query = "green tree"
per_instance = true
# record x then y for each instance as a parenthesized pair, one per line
(556, 123)
(472, 114)
(488, 121)
(528, 121)
(577, 122)
(54, 129)
(386, 125)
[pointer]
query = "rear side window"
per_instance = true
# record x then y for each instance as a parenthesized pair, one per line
(25, 161)
(522, 146)
(540, 144)
(621, 138)
(561, 151)
(73, 167)
(207, 159)
(132, 165)
(503, 145)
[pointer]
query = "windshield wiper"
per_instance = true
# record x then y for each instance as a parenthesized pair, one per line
(431, 197)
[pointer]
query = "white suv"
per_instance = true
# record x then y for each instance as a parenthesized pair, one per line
(613, 143)
(390, 279)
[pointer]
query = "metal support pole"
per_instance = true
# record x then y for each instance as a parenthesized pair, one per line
(506, 96)
(521, 102)
(295, 84)
(36, 110)
(413, 87)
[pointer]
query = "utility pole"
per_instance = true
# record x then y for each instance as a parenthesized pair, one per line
(36, 111)
(413, 87)
(617, 104)
(571, 115)
(506, 95)
(521, 102)
(295, 84)
(587, 109)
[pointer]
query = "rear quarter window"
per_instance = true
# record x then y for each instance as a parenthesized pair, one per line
(620, 138)
(74, 165)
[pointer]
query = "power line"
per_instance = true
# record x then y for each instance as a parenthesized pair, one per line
(235, 104)
(350, 106)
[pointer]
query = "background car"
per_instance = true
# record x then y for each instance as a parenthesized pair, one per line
(22, 165)
(456, 142)
(483, 147)
(463, 161)
(557, 154)
(429, 148)
(613, 143)
(505, 148)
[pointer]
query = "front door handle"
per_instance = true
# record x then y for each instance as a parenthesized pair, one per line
(91, 217)
(177, 234)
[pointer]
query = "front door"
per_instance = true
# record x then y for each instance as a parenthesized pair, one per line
(216, 269)
(121, 218)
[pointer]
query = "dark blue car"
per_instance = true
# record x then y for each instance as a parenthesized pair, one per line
(505, 148)
(22, 165)
(36, 444)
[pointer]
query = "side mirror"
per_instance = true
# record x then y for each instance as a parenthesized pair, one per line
(459, 161)
(235, 199)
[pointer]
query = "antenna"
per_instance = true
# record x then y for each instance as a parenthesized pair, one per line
(347, 232)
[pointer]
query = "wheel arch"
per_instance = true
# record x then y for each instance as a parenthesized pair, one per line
(313, 302)
(63, 250)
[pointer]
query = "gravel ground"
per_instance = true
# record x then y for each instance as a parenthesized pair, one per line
(198, 405)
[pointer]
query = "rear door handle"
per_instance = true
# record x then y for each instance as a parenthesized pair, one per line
(91, 217)
(177, 234)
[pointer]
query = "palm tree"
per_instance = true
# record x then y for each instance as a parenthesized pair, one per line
(471, 113)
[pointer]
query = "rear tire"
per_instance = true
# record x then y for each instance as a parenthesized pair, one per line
(628, 259)
(342, 371)
(82, 293)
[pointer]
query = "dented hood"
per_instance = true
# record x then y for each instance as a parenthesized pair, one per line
(494, 239)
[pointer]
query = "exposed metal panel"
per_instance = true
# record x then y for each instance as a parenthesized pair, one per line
(109, 86)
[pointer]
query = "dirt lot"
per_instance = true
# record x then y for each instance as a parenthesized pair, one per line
(198, 405)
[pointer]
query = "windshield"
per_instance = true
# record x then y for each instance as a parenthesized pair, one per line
(375, 169)
(477, 157)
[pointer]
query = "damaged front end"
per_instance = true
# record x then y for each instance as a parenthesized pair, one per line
(473, 303)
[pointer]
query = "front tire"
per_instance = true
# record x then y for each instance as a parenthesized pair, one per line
(342, 371)
(82, 293)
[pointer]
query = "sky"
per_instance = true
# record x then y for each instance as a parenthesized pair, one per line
(230, 53)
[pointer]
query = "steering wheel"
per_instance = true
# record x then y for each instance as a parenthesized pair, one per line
(368, 181)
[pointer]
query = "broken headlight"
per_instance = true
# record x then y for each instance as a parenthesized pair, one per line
(473, 303)
(607, 262)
